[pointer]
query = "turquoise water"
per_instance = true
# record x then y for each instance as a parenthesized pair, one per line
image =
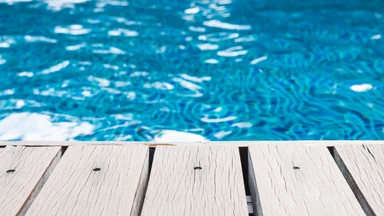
(210, 69)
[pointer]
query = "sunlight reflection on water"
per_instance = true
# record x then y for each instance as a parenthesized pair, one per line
(210, 69)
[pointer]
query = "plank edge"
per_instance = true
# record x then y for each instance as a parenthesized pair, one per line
(40, 184)
(352, 184)
(138, 201)
(256, 203)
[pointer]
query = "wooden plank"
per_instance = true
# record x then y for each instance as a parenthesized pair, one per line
(95, 180)
(196, 181)
(298, 180)
(363, 167)
(329, 143)
(23, 172)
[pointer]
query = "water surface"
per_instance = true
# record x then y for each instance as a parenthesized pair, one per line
(223, 69)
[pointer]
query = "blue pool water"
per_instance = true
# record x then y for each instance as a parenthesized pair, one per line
(209, 69)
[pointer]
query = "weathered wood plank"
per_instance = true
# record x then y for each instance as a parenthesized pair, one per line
(95, 180)
(23, 171)
(196, 181)
(363, 167)
(298, 180)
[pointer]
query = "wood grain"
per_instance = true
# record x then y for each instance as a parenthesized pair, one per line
(196, 181)
(298, 180)
(78, 187)
(363, 167)
(23, 171)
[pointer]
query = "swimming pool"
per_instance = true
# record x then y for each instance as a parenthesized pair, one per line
(210, 69)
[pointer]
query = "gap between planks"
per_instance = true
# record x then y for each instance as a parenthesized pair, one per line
(298, 180)
(142, 194)
(363, 168)
(96, 180)
(196, 180)
(24, 171)
(139, 196)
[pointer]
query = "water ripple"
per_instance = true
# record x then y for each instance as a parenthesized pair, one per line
(191, 71)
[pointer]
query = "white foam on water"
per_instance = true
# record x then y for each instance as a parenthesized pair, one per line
(177, 136)
(159, 85)
(14, 1)
(208, 46)
(362, 87)
(86, 93)
(39, 127)
(242, 125)
(196, 29)
(217, 120)
(4, 45)
(221, 134)
(72, 30)
(75, 47)
(211, 61)
(223, 25)
(111, 50)
(216, 37)
(258, 60)
(30, 38)
(376, 37)
(56, 68)
(232, 52)
(124, 32)
(195, 79)
(101, 81)
(25, 74)
(186, 84)
(61, 4)
(194, 10)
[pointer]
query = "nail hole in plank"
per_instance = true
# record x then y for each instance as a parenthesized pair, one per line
(96, 169)
(10, 171)
(351, 182)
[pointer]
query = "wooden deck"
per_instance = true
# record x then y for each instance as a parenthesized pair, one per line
(216, 178)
